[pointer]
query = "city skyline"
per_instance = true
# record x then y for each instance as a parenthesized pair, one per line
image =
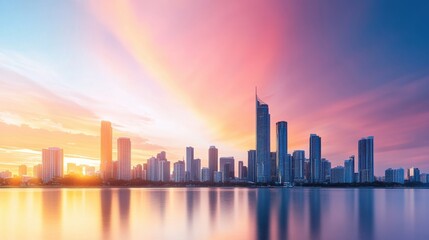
(161, 98)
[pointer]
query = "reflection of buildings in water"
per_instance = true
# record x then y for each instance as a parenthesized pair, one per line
(192, 204)
(213, 200)
(283, 225)
(315, 209)
(263, 213)
(106, 211)
(52, 203)
(159, 200)
(366, 214)
(124, 210)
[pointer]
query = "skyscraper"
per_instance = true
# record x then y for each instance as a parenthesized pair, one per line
(189, 159)
(106, 168)
(281, 133)
(349, 171)
(337, 174)
(263, 163)
(52, 164)
(240, 169)
(164, 170)
(196, 170)
(153, 169)
(213, 161)
(366, 159)
(227, 171)
(325, 170)
(124, 159)
(413, 174)
(251, 165)
(179, 171)
(298, 160)
(205, 174)
(273, 156)
(315, 158)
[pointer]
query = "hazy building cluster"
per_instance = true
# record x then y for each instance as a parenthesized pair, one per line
(263, 166)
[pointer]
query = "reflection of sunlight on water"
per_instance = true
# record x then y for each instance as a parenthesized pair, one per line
(214, 213)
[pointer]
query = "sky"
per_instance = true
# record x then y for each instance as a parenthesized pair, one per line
(171, 74)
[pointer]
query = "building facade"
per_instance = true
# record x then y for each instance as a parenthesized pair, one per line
(315, 158)
(366, 160)
(124, 159)
(263, 161)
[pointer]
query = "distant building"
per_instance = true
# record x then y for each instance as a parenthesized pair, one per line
(37, 171)
(52, 164)
(283, 164)
(124, 159)
(394, 175)
(22, 170)
(298, 159)
(227, 168)
(315, 158)
(71, 168)
(263, 161)
(115, 170)
(205, 175)
(325, 167)
(349, 170)
(307, 170)
(106, 168)
(189, 160)
(413, 174)
(161, 156)
(213, 161)
(196, 170)
(273, 167)
(89, 171)
(244, 173)
(153, 169)
(366, 160)
(5, 174)
(138, 172)
(424, 178)
(240, 169)
(218, 176)
(337, 175)
(164, 170)
(251, 165)
(179, 171)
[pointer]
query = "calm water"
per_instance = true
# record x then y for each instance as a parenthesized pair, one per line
(214, 213)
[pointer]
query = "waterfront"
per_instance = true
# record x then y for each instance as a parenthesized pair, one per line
(214, 213)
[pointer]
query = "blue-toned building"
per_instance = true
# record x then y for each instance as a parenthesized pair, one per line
(283, 163)
(263, 161)
(251, 165)
(315, 158)
(366, 160)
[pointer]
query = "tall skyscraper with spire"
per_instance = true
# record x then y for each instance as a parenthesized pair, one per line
(263, 164)
(106, 151)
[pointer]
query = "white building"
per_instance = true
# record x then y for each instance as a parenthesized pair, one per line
(52, 164)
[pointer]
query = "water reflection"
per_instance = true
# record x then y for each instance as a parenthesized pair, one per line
(263, 213)
(366, 214)
(315, 208)
(106, 211)
(222, 213)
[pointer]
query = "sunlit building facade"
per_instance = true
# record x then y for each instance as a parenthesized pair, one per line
(124, 159)
(106, 168)
(263, 161)
(52, 164)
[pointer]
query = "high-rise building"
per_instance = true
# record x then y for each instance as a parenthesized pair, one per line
(366, 160)
(315, 158)
(263, 163)
(106, 168)
(413, 174)
(273, 161)
(52, 164)
(424, 178)
(240, 169)
(325, 168)
(244, 173)
(22, 170)
(164, 170)
(161, 156)
(394, 175)
(251, 165)
(282, 151)
(298, 159)
(218, 176)
(349, 170)
(115, 169)
(139, 171)
(124, 159)
(205, 174)
(227, 168)
(153, 169)
(189, 159)
(307, 170)
(179, 171)
(37, 171)
(213, 161)
(337, 174)
(196, 170)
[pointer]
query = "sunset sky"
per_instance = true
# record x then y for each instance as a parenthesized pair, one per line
(171, 74)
